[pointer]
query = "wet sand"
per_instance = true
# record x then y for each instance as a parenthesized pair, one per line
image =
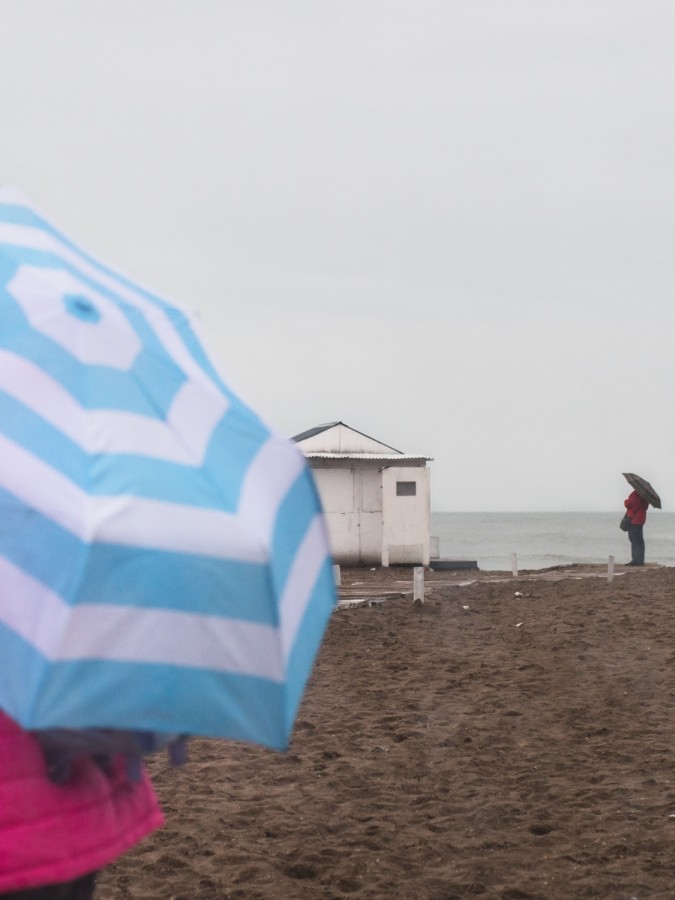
(484, 744)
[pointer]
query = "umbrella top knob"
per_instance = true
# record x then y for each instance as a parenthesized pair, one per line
(82, 307)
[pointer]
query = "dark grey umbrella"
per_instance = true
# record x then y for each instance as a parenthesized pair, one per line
(643, 488)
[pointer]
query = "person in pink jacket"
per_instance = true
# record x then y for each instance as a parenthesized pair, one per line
(55, 837)
(636, 510)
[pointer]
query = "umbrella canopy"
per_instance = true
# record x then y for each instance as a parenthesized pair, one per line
(164, 562)
(644, 488)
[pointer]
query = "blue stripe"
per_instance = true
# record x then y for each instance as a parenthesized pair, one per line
(178, 581)
(129, 576)
(32, 432)
(40, 548)
(235, 443)
(143, 696)
(20, 215)
(21, 674)
(194, 345)
(98, 387)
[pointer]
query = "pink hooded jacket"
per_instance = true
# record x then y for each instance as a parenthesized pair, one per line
(636, 508)
(52, 833)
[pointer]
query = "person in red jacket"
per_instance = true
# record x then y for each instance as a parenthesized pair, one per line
(636, 510)
(54, 837)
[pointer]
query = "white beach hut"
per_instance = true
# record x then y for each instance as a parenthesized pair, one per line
(376, 498)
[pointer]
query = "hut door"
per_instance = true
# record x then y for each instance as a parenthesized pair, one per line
(405, 514)
(368, 489)
(337, 489)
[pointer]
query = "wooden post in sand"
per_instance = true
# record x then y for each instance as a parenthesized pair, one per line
(610, 570)
(337, 579)
(514, 565)
(418, 585)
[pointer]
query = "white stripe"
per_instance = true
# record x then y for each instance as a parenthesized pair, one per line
(163, 637)
(170, 637)
(182, 438)
(29, 608)
(140, 522)
(125, 520)
(268, 479)
(10, 194)
(42, 487)
(310, 557)
(37, 239)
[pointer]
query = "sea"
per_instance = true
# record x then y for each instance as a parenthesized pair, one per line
(544, 539)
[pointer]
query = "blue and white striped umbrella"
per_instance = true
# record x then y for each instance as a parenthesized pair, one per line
(164, 563)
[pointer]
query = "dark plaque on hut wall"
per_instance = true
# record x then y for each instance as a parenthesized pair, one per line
(406, 488)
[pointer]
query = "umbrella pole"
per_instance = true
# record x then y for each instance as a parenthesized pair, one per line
(514, 565)
(610, 570)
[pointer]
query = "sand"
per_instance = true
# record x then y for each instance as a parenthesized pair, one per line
(482, 745)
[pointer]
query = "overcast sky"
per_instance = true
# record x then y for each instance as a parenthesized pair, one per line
(449, 224)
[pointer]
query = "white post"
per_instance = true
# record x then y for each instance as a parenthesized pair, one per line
(610, 570)
(514, 565)
(418, 585)
(337, 578)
